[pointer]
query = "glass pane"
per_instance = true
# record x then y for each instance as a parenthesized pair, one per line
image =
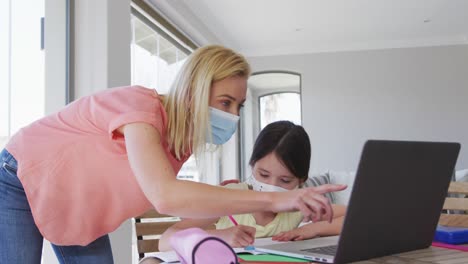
(155, 60)
(280, 106)
(155, 63)
(22, 90)
(4, 71)
(189, 171)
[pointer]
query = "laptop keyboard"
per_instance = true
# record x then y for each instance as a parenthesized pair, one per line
(327, 250)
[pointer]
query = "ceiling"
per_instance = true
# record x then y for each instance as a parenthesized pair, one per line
(277, 27)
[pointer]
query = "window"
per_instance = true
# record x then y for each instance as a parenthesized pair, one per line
(157, 54)
(271, 96)
(24, 85)
(280, 106)
(22, 89)
(156, 58)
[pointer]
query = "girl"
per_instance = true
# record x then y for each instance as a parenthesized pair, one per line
(74, 176)
(280, 162)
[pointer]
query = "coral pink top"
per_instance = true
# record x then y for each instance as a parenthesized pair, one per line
(74, 168)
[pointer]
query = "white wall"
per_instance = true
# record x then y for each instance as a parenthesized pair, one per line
(102, 45)
(348, 97)
(55, 54)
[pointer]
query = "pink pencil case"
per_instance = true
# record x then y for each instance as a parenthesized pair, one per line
(196, 246)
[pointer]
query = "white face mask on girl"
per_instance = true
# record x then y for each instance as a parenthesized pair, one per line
(263, 187)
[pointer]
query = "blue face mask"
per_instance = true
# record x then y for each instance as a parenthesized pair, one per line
(223, 126)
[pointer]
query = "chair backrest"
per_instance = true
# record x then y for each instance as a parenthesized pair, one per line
(456, 206)
(149, 228)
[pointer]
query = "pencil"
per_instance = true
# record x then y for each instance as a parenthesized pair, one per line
(233, 220)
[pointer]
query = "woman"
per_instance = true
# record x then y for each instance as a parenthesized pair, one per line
(280, 162)
(74, 176)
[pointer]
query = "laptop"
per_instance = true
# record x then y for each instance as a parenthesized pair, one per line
(395, 204)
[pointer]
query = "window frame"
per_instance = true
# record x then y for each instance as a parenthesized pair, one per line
(243, 157)
(159, 24)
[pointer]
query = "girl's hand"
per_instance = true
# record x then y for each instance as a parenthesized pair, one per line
(293, 235)
(237, 236)
(310, 201)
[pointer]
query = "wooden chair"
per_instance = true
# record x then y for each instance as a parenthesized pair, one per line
(149, 228)
(456, 206)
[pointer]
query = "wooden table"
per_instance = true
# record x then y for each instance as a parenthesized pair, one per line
(423, 256)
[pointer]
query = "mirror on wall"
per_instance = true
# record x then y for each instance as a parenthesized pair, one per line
(271, 96)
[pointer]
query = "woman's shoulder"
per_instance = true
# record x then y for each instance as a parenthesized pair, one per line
(129, 89)
(125, 98)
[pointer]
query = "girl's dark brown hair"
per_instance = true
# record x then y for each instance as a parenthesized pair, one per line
(289, 142)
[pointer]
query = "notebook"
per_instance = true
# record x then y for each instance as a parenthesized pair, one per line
(395, 204)
(171, 256)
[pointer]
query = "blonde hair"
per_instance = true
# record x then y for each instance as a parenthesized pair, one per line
(187, 103)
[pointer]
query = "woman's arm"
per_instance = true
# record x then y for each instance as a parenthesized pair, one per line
(312, 230)
(168, 195)
(236, 236)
